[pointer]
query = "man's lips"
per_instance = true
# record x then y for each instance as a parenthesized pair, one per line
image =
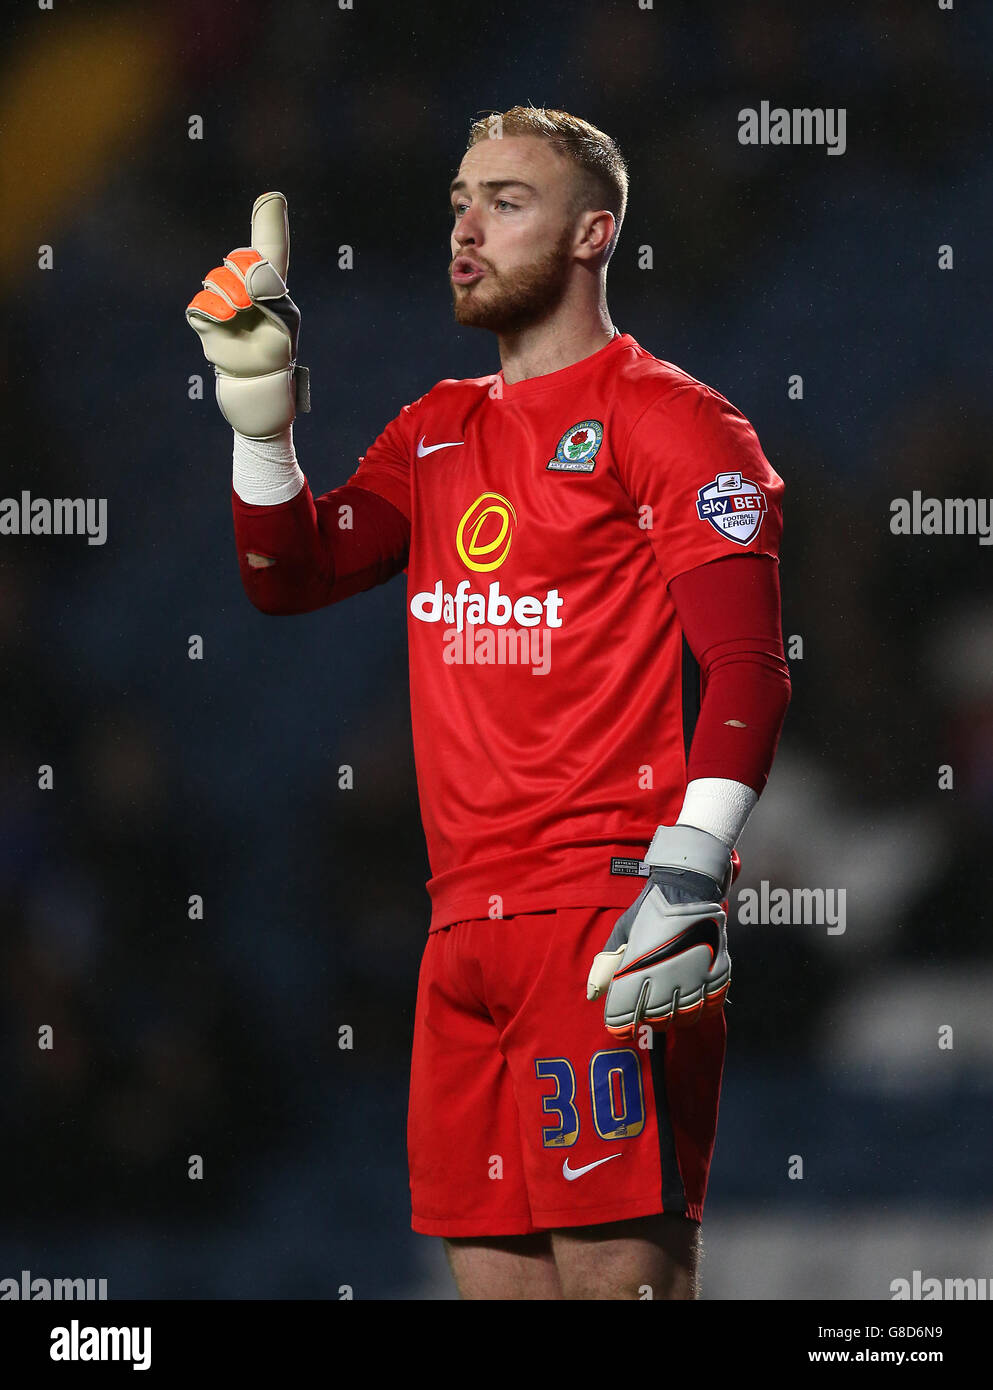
(466, 272)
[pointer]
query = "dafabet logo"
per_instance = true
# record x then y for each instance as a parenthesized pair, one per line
(486, 532)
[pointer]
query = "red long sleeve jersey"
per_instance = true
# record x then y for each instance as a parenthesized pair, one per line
(547, 519)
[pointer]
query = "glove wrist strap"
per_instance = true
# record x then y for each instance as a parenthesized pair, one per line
(685, 847)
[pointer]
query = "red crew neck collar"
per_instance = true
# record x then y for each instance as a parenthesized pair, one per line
(566, 376)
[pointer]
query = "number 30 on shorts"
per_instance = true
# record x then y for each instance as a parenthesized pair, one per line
(616, 1097)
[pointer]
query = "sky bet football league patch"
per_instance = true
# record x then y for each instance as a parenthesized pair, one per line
(733, 505)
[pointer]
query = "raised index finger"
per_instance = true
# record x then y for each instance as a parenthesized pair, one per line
(271, 231)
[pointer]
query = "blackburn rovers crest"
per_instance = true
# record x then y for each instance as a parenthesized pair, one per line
(577, 449)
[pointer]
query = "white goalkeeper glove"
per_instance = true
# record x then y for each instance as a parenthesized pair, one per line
(666, 961)
(249, 328)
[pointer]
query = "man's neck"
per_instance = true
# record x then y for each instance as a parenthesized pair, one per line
(549, 347)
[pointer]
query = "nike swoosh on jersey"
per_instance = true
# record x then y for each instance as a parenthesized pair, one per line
(705, 933)
(571, 1174)
(423, 448)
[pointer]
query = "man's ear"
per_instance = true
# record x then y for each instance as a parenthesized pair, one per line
(597, 230)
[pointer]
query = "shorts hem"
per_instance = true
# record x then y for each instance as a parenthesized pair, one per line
(549, 1220)
(471, 1226)
(613, 1211)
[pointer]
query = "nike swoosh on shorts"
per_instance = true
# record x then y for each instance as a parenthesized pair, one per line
(571, 1174)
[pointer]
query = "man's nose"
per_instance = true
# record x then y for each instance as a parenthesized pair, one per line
(468, 230)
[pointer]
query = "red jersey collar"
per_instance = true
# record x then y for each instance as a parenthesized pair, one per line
(566, 376)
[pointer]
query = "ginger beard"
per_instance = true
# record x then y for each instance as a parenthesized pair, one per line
(508, 301)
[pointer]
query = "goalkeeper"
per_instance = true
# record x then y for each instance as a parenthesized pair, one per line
(614, 525)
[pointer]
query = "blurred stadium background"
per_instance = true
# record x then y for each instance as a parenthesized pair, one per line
(219, 777)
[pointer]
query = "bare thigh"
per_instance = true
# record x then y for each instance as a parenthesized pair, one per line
(650, 1257)
(504, 1267)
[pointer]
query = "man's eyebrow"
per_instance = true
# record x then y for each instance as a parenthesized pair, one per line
(457, 185)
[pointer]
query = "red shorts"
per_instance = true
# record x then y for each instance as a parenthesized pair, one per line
(525, 1113)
